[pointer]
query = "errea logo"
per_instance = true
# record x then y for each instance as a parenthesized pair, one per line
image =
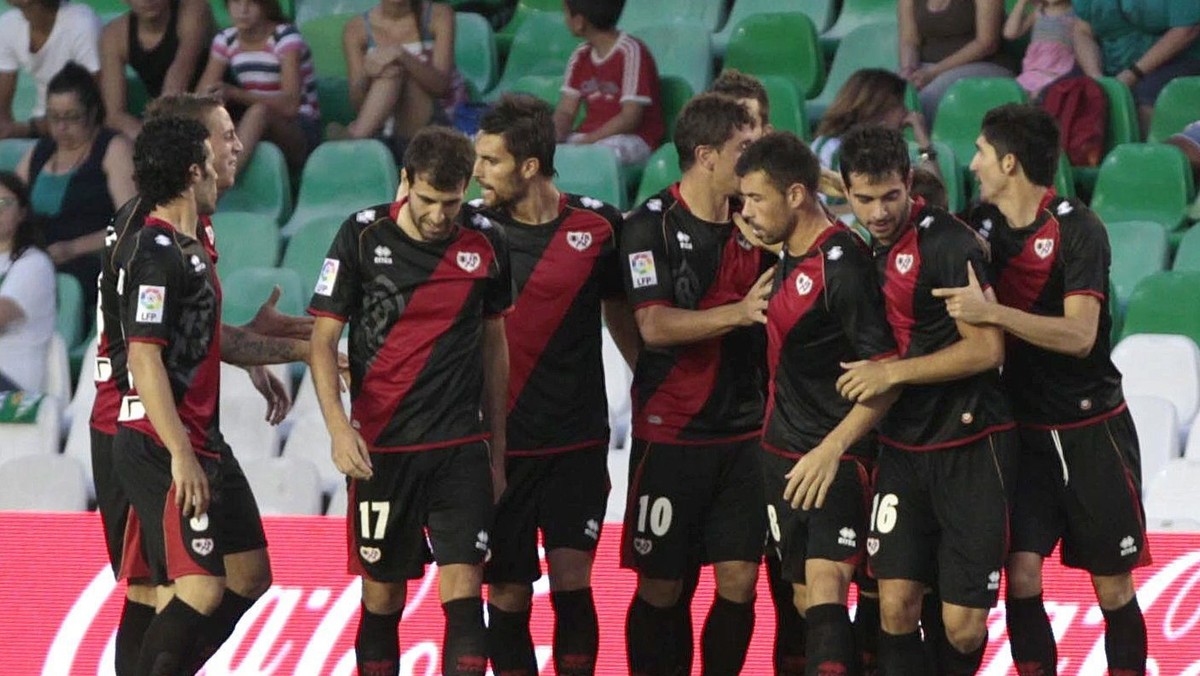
(685, 241)
(383, 255)
(1128, 546)
(1064, 207)
(925, 222)
(847, 537)
(481, 541)
(654, 205)
(366, 216)
(592, 529)
(993, 580)
(591, 202)
(835, 253)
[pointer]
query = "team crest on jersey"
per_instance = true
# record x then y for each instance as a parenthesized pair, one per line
(370, 554)
(579, 241)
(904, 263)
(641, 267)
(151, 300)
(642, 546)
(804, 284)
(872, 546)
(468, 260)
(328, 277)
(685, 241)
(202, 546)
(1043, 247)
(197, 264)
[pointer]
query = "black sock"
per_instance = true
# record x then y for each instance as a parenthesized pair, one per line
(135, 619)
(902, 655)
(1125, 640)
(685, 635)
(831, 641)
(866, 632)
(576, 632)
(933, 628)
(1030, 636)
(951, 662)
(650, 639)
(464, 648)
(170, 640)
(790, 628)
(726, 637)
(510, 645)
(218, 627)
(377, 645)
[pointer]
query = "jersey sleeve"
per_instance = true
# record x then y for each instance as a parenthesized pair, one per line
(1086, 254)
(30, 282)
(645, 269)
(10, 31)
(855, 298)
(609, 265)
(338, 293)
(288, 39)
(948, 252)
(152, 293)
(499, 295)
(573, 77)
(221, 48)
(85, 39)
(639, 75)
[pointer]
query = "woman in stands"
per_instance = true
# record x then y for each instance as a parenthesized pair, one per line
(400, 62)
(944, 41)
(164, 41)
(76, 177)
(274, 92)
(27, 296)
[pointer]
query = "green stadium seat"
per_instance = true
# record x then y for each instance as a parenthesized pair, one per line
(341, 177)
(1064, 178)
(779, 44)
(245, 240)
(25, 97)
(525, 9)
(591, 171)
(787, 106)
(221, 14)
(69, 321)
(677, 52)
(542, 46)
(324, 38)
(245, 290)
(873, 45)
(1123, 126)
(307, 248)
(107, 10)
(1144, 182)
(12, 150)
(1187, 257)
(640, 13)
(475, 50)
(263, 188)
(1177, 106)
(951, 174)
(960, 113)
(857, 13)
(662, 169)
(333, 95)
(1165, 302)
(307, 10)
(136, 96)
(546, 87)
(822, 13)
(675, 93)
(1139, 249)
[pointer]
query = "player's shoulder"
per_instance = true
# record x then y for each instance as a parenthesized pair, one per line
(478, 223)
(1073, 214)
(592, 205)
(155, 243)
(654, 209)
(843, 248)
(938, 227)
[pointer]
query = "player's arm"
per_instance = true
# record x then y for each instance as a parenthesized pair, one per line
(350, 453)
(618, 316)
(664, 325)
(495, 396)
(1073, 334)
(241, 347)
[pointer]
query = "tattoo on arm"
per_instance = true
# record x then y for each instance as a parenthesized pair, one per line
(245, 348)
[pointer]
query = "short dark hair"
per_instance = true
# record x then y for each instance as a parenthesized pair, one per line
(442, 156)
(75, 79)
(29, 230)
(707, 120)
(270, 8)
(601, 14)
(190, 106)
(1029, 133)
(527, 125)
(784, 158)
(739, 85)
(927, 185)
(163, 155)
(874, 151)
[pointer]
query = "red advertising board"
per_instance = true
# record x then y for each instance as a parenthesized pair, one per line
(59, 607)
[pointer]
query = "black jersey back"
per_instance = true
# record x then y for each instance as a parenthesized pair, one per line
(706, 391)
(1064, 252)
(561, 271)
(416, 312)
(933, 251)
(826, 309)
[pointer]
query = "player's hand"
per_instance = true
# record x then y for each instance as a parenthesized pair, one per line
(279, 401)
(350, 454)
(831, 184)
(754, 305)
(967, 303)
(810, 478)
(191, 484)
(269, 321)
(864, 380)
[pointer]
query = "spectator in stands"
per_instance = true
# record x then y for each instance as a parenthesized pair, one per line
(1188, 141)
(76, 177)
(274, 90)
(164, 41)
(615, 73)
(944, 41)
(400, 62)
(1051, 51)
(27, 297)
(39, 37)
(1143, 43)
(750, 91)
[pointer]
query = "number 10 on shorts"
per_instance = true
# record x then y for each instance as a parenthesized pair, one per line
(659, 513)
(883, 513)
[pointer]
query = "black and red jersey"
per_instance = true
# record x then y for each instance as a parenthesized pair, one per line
(109, 370)
(1064, 252)
(170, 295)
(826, 309)
(706, 391)
(933, 251)
(561, 270)
(416, 311)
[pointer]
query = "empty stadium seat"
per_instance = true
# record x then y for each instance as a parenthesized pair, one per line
(338, 501)
(675, 93)
(245, 291)
(39, 437)
(1144, 182)
(324, 37)
(475, 51)
(333, 95)
(1139, 250)
(307, 248)
(43, 483)
(1187, 257)
(787, 105)
(679, 50)
(243, 413)
(245, 240)
(284, 485)
(263, 187)
(1171, 493)
(341, 177)
(856, 13)
(309, 438)
(542, 46)
(1157, 431)
(545, 87)
(1165, 302)
(638, 14)
(12, 150)
(782, 44)
(68, 321)
(873, 45)
(79, 412)
(822, 13)
(662, 169)
(960, 112)
(1177, 105)
(25, 97)
(57, 380)
(591, 171)
(1166, 366)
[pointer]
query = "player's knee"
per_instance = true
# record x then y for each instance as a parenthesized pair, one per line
(202, 592)
(569, 570)
(899, 614)
(384, 598)
(736, 580)
(1024, 572)
(1113, 591)
(459, 581)
(253, 584)
(511, 598)
(965, 634)
(828, 582)
(659, 593)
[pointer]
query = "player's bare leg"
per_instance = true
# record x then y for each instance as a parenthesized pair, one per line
(900, 648)
(377, 643)
(830, 635)
(966, 639)
(1124, 625)
(1031, 638)
(730, 621)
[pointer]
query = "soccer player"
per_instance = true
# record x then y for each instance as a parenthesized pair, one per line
(255, 343)
(1080, 469)
(826, 310)
(699, 289)
(947, 445)
(750, 91)
(425, 292)
(565, 268)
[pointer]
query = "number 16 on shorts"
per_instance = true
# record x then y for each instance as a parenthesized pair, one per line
(883, 519)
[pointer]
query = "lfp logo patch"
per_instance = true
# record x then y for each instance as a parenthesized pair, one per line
(151, 301)
(328, 277)
(641, 268)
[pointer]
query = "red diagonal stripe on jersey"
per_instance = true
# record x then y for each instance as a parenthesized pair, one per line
(899, 288)
(786, 308)
(1025, 275)
(544, 302)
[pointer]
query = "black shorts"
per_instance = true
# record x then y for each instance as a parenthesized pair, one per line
(1083, 485)
(943, 516)
(835, 532)
(175, 546)
(445, 491)
(111, 501)
(693, 502)
(564, 495)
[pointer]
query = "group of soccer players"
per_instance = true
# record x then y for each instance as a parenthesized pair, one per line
(833, 403)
